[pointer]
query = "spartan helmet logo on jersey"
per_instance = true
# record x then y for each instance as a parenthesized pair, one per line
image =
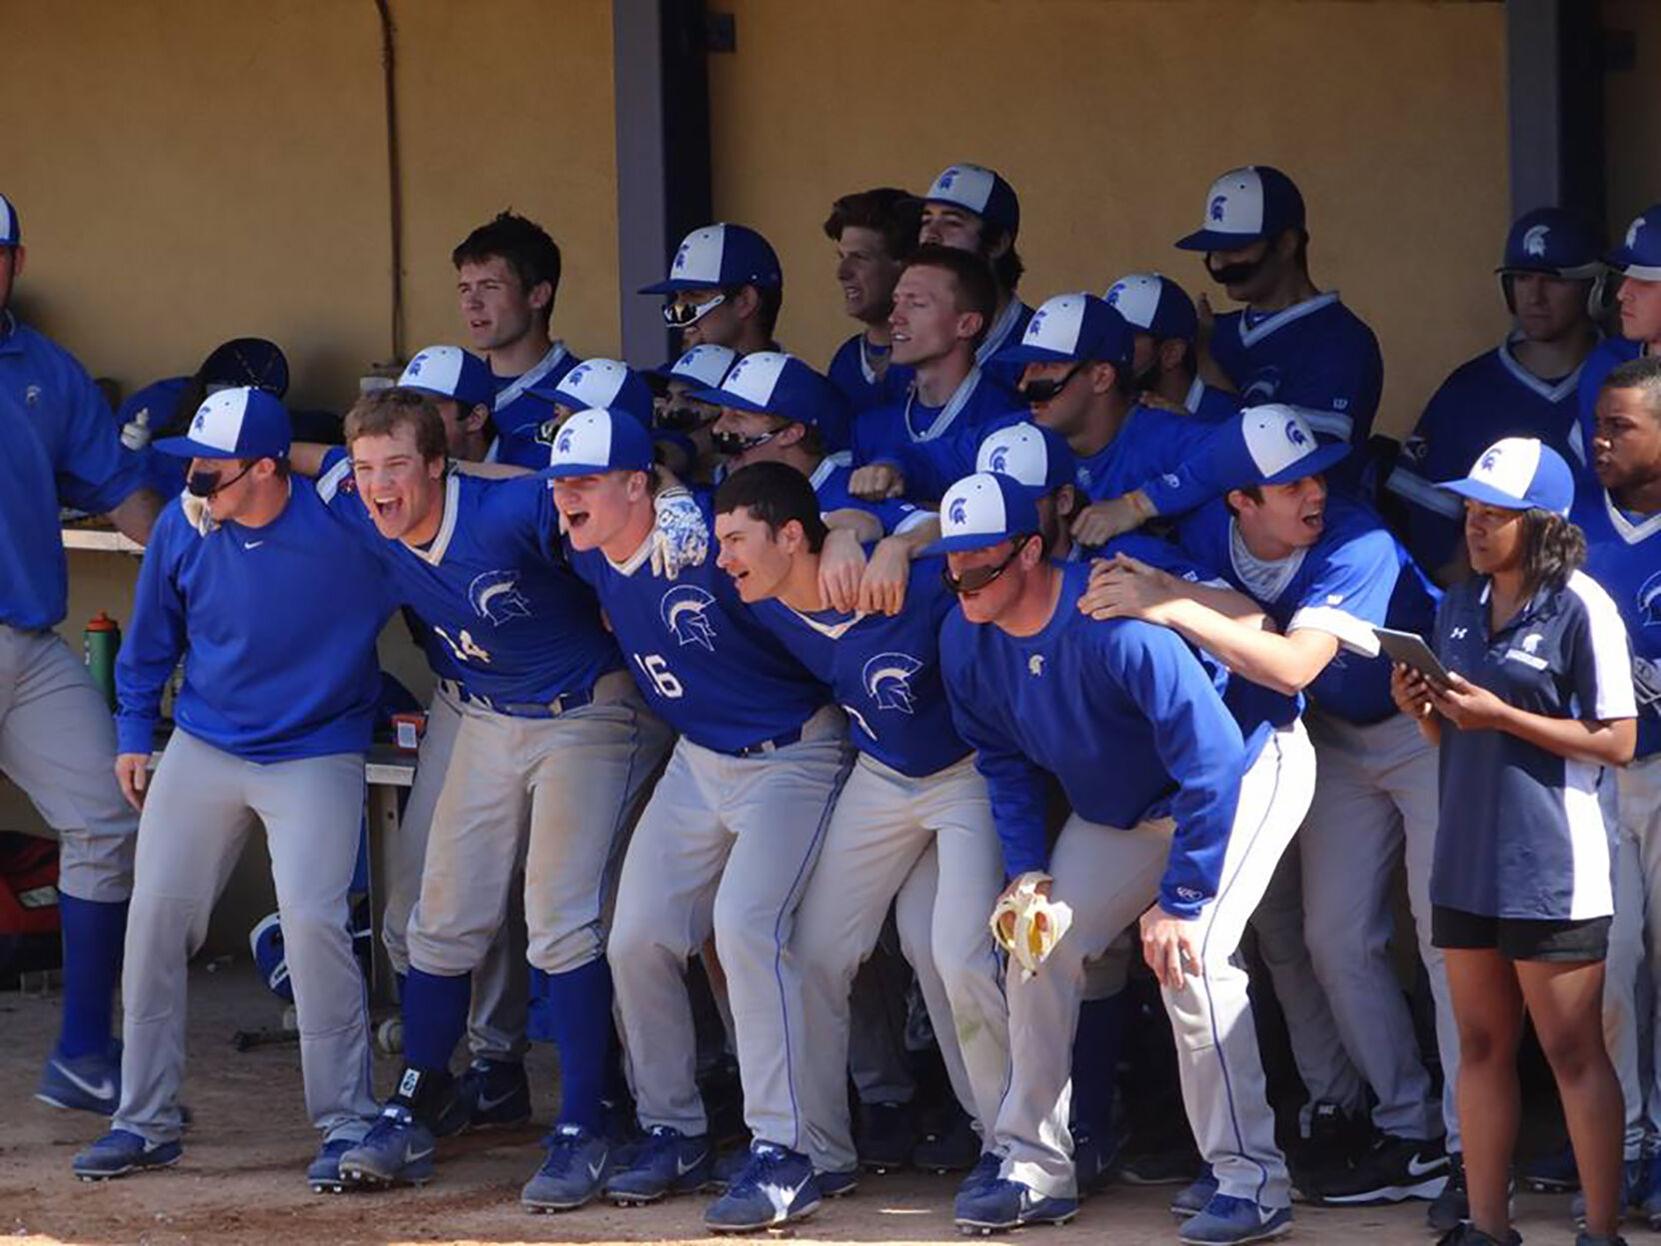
(496, 597)
(683, 609)
(1531, 642)
(1534, 241)
(888, 681)
(960, 511)
(1649, 601)
(1217, 204)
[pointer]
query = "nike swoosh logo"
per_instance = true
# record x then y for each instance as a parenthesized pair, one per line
(594, 1169)
(487, 1104)
(682, 1168)
(410, 1156)
(252, 544)
(98, 1090)
(1419, 1168)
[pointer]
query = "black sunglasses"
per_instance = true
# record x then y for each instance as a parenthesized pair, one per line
(1045, 391)
(977, 578)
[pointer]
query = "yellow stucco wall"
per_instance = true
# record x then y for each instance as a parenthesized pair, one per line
(1110, 117)
(191, 170)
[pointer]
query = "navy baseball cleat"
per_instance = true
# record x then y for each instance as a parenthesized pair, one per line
(1192, 1198)
(1005, 1204)
(397, 1149)
(664, 1162)
(985, 1172)
(571, 1175)
(120, 1152)
(491, 1094)
(951, 1149)
(83, 1084)
(323, 1173)
(885, 1136)
(1230, 1221)
(776, 1187)
(837, 1184)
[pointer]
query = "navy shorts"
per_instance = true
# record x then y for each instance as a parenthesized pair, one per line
(1521, 938)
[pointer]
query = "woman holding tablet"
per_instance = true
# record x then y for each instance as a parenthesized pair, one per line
(1539, 701)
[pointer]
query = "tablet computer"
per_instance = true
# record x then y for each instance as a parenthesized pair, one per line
(1410, 649)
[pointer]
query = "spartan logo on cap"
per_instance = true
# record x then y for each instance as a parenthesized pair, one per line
(562, 444)
(1534, 241)
(1488, 461)
(959, 513)
(200, 422)
(416, 364)
(1113, 294)
(683, 610)
(1632, 231)
(1218, 202)
(496, 597)
(888, 681)
(999, 460)
(680, 255)
(1296, 435)
(575, 377)
(1036, 321)
(945, 180)
(1649, 601)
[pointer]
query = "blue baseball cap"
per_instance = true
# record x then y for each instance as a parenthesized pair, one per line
(702, 367)
(1639, 254)
(1269, 445)
(721, 256)
(600, 384)
(240, 423)
(979, 190)
(1036, 456)
(1244, 205)
(11, 233)
(771, 382)
(982, 510)
(450, 372)
(597, 441)
(1072, 327)
(1518, 473)
(1153, 303)
(1555, 241)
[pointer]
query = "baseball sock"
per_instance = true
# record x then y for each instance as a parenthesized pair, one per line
(580, 1010)
(93, 932)
(435, 1017)
(1096, 1062)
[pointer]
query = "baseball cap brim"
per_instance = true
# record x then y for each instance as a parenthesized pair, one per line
(1482, 491)
(439, 393)
(559, 471)
(726, 398)
(187, 448)
(1323, 457)
(1215, 240)
(968, 541)
(1022, 353)
(676, 284)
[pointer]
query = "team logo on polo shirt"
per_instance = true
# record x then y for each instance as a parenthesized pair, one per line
(888, 681)
(1035, 665)
(683, 610)
(496, 597)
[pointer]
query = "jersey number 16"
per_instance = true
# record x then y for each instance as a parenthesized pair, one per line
(655, 668)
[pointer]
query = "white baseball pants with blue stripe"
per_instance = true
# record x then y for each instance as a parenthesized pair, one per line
(1110, 877)
(725, 844)
(1636, 931)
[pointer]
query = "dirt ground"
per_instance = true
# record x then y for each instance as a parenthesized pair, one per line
(241, 1180)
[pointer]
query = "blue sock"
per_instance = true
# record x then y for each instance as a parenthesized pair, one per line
(579, 1013)
(93, 932)
(1101, 1026)
(435, 1017)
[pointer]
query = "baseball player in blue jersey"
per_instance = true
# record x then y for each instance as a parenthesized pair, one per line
(507, 274)
(1290, 343)
(1526, 386)
(608, 383)
(1327, 572)
(683, 427)
(874, 232)
(974, 209)
(1176, 829)
(1621, 518)
(550, 759)
(726, 842)
(943, 303)
(724, 288)
(912, 825)
(57, 741)
(1163, 367)
(1637, 264)
(277, 631)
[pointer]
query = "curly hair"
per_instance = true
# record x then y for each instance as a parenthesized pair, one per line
(1553, 550)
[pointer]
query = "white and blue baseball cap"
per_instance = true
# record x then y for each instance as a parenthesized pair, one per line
(1036, 456)
(1518, 473)
(771, 382)
(982, 510)
(977, 189)
(240, 423)
(1244, 205)
(601, 384)
(1269, 445)
(450, 372)
(721, 256)
(1153, 303)
(594, 442)
(1073, 327)
(702, 367)
(1554, 241)
(11, 233)
(1639, 254)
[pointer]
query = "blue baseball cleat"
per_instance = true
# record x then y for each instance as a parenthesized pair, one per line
(1192, 1198)
(984, 1172)
(1230, 1221)
(120, 1152)
(323, 1173)
(837, 1184)
(1005, 1204)
(776, 1187)
(572, 1174)
(84, 1083)
(491, 1094)
(398, 1149)
(664, 1162)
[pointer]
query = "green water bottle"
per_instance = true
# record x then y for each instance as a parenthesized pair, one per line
(102, 639)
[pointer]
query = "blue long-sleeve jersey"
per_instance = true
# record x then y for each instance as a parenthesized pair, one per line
(277, 627)
(1121, 713)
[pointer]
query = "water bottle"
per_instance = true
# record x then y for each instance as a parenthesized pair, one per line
(102, 639)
